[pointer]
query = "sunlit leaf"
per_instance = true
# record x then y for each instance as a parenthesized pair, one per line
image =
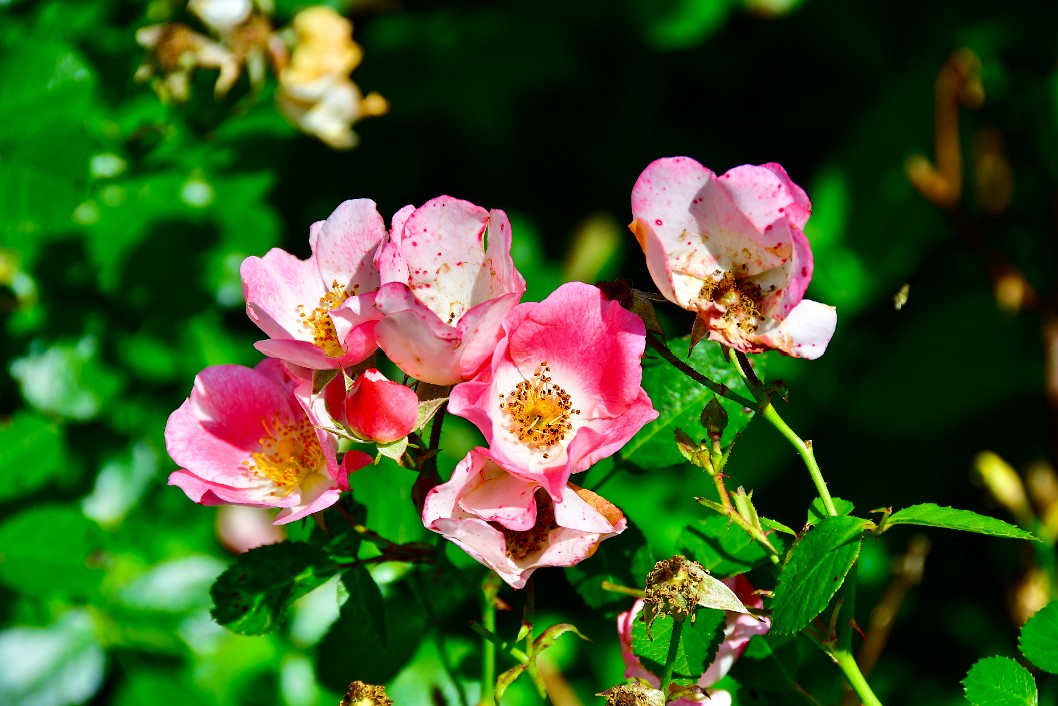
(1039, 638)
(814, 571)
(58, 665)
(999, 681)
(931, 515)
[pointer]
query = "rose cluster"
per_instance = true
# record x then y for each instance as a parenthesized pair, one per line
(553, 386)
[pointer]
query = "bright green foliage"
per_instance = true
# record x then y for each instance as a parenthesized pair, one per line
(999, 681)
(724, 552)
(252, 596)
(814, 570)
(51, 550)
(680, 401)
(31, 454)
(698, 644)
(1039, 638)
(817, 511)
(931, 515)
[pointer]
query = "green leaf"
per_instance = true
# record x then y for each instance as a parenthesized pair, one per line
(31, 454)
(999, 681)
(817, 511)
(547, 638)
(252, 596)
(1039, 638)
(50, 550)
(680, 401)
(777, 526)
(723, 549)
(931, 515)
(814, 571)
(363, 613)
(698, 644)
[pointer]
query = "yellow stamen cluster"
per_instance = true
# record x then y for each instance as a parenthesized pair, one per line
(742, 299)
(523, 544)
(289, 452)
(319, 320)
(540, 411)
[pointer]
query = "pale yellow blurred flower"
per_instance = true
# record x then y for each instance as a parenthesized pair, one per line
(175, 52)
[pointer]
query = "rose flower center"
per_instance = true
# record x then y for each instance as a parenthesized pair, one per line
(289, 452)
(539, 411)
(523, 544)
(319, 322)
(742, 299)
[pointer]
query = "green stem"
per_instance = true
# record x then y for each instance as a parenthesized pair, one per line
(670, 661)
(847, 664)
(722, 390)
(490, 587)
(530, 648)
(765, 407)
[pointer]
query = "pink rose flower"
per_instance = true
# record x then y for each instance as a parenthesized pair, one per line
(244, 437)
(443, 290)
(563, 387)
(377, 409)
(737, 632)
(511, 525)
(318, 313)
(732, 249)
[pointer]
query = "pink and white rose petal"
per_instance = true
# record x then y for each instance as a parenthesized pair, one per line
(732, 249)
(245, 437)
(444, 289)
(511, 525)
(562, 389)
(319, 313)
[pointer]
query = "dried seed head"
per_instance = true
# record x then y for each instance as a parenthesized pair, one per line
(361, 694)
(633, 694)
(674, 588)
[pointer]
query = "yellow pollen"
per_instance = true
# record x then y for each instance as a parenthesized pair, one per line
(742, 299)
(289, 452)
(319, 320)
(540, 411)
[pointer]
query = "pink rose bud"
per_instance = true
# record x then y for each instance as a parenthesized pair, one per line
(377, 409)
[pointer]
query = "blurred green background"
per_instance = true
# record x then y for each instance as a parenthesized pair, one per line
(123, 221)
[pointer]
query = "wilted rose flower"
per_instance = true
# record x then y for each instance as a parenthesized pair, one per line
(444, 291)
(380, 410)
(175, 52)
(244, 437)
(732, 249)
(221, 16)
(318, 312)
(511, 525)
(562, 389)
(315, 91)
(737, 632)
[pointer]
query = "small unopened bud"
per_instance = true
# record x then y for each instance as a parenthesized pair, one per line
(1002, 481)
(714, 419)
(633, 694)
(361, 694)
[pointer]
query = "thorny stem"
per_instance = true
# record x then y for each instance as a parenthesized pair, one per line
(693, 374)
(765, 407)
(435, 435)
(755, 533)
(670, 661)
(847, 664)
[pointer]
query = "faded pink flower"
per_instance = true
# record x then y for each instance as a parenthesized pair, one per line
(563, 387)
(739, 629)
(444, 291)
(511, 525)
(377, 409)
(244, 437)
(318, 313)
(732, 249)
